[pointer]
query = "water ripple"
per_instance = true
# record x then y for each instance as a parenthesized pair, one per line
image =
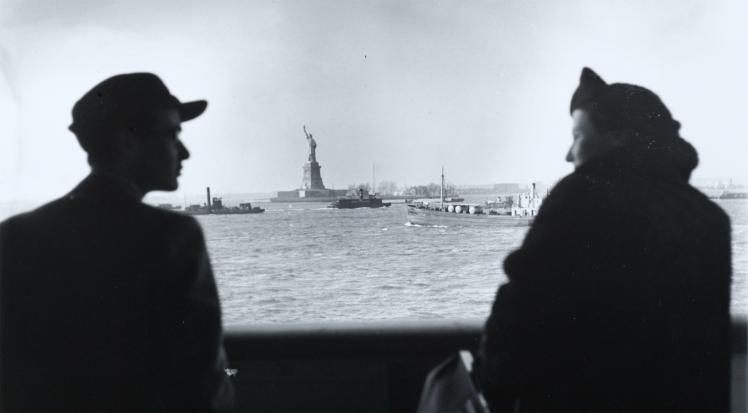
(308, 263)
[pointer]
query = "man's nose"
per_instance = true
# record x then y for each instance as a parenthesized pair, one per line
(183, 152)
(569, 156)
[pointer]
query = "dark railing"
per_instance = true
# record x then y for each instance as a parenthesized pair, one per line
(363, 367)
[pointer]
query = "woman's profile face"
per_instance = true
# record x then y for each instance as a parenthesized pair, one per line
(588, 142)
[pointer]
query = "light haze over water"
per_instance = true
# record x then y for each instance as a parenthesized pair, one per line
(479, 86)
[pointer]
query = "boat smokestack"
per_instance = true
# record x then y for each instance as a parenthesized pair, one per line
(532, 192)
(207, 190)
(441, 191)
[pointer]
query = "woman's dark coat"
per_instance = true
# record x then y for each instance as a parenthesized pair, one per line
(618, 299)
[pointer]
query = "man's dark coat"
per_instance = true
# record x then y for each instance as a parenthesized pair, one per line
(108, 304)
(618, 299)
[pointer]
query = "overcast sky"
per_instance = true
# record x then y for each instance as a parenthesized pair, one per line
(480, 87)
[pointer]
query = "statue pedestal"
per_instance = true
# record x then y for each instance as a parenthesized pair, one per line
(312, 177)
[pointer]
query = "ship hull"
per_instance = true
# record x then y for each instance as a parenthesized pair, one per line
(734, 195)
(425, 216)
(300, 200)
(359, 203)
(236, 212)
(224, 211)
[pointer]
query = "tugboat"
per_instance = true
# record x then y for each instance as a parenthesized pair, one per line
(215, 207)
(361, 202)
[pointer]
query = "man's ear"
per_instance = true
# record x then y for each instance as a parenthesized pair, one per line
(127, 143)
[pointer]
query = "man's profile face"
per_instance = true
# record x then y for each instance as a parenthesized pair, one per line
(159, 157)
(588, 141)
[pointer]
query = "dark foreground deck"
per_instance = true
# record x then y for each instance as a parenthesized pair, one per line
(366, 367)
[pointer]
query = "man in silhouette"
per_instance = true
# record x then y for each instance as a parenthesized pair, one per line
(108, 303)
(618, 298)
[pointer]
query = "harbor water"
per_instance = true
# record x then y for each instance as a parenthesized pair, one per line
(303, 262)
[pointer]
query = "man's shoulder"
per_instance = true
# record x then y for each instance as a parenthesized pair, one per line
(35, 215)
(166, 215)
(68, 210)
(172, 222)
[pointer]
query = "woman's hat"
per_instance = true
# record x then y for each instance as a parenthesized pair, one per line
(622, 106)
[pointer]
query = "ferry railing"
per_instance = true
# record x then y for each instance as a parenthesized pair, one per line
(371, 366)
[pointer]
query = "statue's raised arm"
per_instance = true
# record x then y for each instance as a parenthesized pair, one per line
(305, 132)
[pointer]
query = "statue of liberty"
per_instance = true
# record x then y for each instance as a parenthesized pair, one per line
(312, 146)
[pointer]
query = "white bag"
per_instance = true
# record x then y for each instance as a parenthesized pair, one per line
(450, 388)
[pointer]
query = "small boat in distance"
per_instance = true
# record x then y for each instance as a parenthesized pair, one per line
(370, 201)
(733, 195)
(215, 206)
(505, 211)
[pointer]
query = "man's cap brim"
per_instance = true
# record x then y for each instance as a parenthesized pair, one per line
(191, 110)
